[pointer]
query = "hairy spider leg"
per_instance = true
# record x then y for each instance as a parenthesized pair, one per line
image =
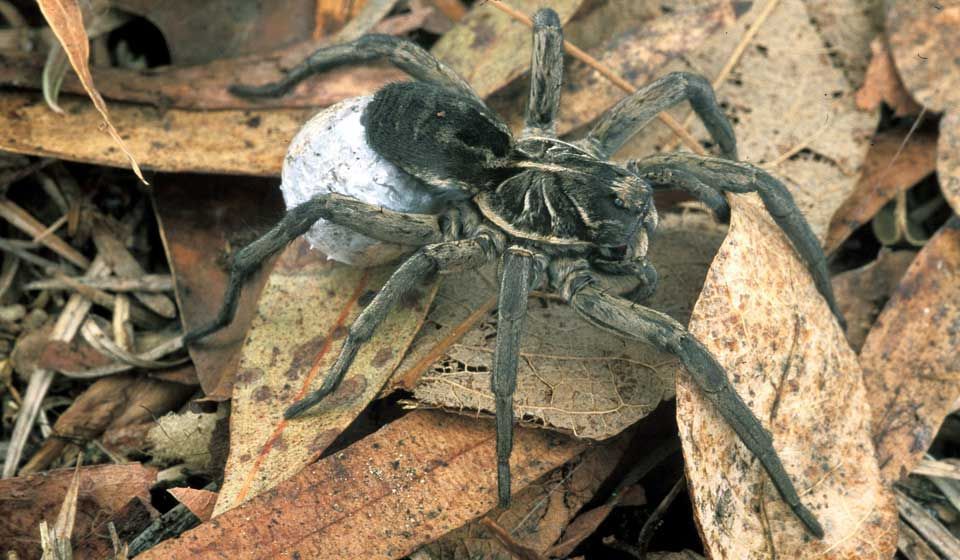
(373, 221)
(519, 274)
(631, 321)
(403, 54)
(449, 256)
(632, 113)
(546, 75)
(707, 178)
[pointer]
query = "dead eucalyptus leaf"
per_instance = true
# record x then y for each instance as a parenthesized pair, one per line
(66, 21)
(910, 359)
(572, 376)
(232, 142)
(199, 502)
(303, 316)
(489, 48)
(883, 84)
(763, 319)
(948, 158)
(386, 495)
(924, 38)
(792, 111)
(862, 292)
(894, 163)
(847, 26)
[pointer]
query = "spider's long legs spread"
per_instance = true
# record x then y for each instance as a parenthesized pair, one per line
(403, 54)
(546, 75)
(631, 321)
(518, 274)
(699, 175)
(632, 113)
(441, 257)
(395, 227)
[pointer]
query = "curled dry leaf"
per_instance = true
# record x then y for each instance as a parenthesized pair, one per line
(199, 502)
(763, 319)
(104, 490)
(414, 480)
(571, 376)
(234, 142)
(924, 38)
(489, 49)
(302, 319)
(897, 160)
(883, 84)
(910, 359)
(66, 21)
(792, 112)
(862, 292)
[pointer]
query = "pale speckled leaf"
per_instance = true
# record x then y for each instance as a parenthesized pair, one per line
(847, 27)
(489, 48)
(572, 376)
(910, 361)
(948, 158)
(303, 316)
(763, 319)
(924, 39)
(782, 95)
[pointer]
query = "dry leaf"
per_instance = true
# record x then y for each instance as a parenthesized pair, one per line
(571, 376)
(763, 319)
(66, 21)
(203, 220)
(897, 160)
(862, 292)
(883, 84)
(414, 480)
(910, 359)
(104, 490)
(199, 502)
(948, 158)
(847, 27)
(303, 317)
(782, 100)
(489, 49)
(924, 38)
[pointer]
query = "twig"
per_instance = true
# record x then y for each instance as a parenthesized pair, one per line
(656, 518)
(607, 73)
(22, 220)
(145, 283)
(927, 525)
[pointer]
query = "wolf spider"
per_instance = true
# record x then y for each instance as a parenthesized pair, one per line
(553, 212)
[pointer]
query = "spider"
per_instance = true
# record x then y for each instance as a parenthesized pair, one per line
(552, 213)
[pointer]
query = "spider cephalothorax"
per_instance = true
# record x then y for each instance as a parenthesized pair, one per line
(552, 212)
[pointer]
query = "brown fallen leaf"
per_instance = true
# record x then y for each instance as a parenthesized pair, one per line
(762, 318)
(847, 27)
(910, 359)
(862, 292)
(792, 112)
(303, 316)
(897, 160)
(103, 491)
(414, 480)
(883, 84)
(572, 376)
(489, 49)
(923, 40)
(948, 159)
(199, 502)
(66, 21)
(233, 142)
(203, 220)
(109, 403)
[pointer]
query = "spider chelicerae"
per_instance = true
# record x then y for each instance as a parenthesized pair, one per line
(552, 213)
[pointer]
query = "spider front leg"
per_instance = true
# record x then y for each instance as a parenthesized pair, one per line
(632, 113)
(546, 75)
(429, 260)
(373, 221)
(707, 178)
(519, 273)
(402, 53)
(631, 321)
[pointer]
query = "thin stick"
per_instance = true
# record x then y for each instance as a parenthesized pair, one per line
(22, 220)
(656, 518)
(607, 73)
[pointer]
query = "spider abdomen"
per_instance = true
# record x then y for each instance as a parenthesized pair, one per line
(330, 154)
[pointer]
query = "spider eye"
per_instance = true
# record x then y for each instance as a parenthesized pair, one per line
(619, 203)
